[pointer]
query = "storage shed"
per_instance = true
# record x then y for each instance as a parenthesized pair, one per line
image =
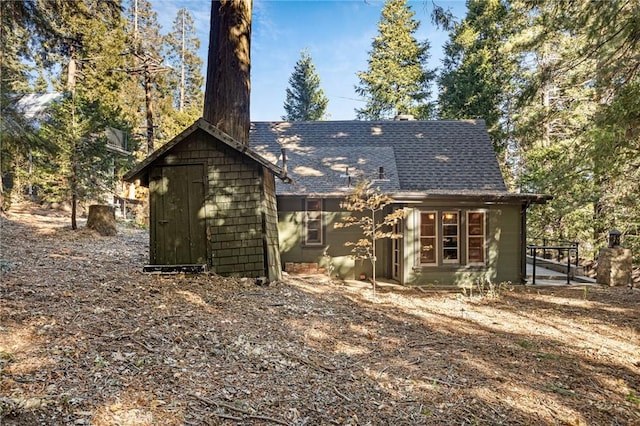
(212, 202)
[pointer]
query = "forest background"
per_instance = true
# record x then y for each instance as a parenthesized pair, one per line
(557, 83)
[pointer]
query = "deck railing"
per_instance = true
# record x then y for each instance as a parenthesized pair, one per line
(558, 247)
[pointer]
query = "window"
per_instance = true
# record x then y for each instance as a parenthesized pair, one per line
(450, 240)
(313, 222)
(453, 237)
(428, 238)
(475, 237)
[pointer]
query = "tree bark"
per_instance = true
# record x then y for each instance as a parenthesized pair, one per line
(102, 219)
(149, 104)
(226, 98)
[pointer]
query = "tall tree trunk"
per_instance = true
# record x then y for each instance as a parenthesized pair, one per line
(226, 98)
(74, 193)
(149, 104)
(182, 50)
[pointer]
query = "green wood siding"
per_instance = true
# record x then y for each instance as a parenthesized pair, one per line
(293, 249)
(234, 210)
(270, 226)
(503, 251)
(502, 240)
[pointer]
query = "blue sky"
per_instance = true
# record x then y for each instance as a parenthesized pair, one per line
(337, 34)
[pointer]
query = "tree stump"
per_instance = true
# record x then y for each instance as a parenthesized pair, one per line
(102, 219)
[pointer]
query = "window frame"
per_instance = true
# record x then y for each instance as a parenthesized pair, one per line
(455, 261)
(434, 237)
(319, 219)
(483, 236)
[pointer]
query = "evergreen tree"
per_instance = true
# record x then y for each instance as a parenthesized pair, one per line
(305, 99)
(182, 45)
(145, 65)
(83, 38)
(477, 72)
(576, 129)
(82, 162)
(397, 81)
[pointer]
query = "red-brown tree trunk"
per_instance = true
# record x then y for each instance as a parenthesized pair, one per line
(226, 98)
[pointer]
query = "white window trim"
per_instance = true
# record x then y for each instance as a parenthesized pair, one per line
(484, 237)
(306, 221)
(436, 227)
(457, 259)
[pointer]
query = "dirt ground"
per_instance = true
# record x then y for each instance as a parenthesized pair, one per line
(86, 338)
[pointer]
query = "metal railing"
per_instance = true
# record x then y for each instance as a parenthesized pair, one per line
(561, 247)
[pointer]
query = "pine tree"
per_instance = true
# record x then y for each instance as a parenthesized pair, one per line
(182, 45)
(477, 73)
(145, 64)
(397, 81)
(577, 127)
(82, 161)
(84, 39)
(305, 99)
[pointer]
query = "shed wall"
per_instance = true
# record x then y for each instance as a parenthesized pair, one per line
(238, 208)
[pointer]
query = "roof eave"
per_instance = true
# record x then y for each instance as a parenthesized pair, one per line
(489, 196)
(139, 171)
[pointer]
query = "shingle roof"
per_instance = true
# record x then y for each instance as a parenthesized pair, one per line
(417, 156)
(140, 170)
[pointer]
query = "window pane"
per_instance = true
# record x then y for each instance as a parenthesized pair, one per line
(476, 249)
(313, 236)
(476, 223)
(450, 254)
(450, 218)
(428, 224)
(428, 237)
(313, 222)
(450, 237)
(314, 205)
(427, 250)
(476, 237)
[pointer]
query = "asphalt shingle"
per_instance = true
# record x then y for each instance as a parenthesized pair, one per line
(422, 156)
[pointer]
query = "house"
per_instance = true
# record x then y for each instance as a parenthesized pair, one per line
(460, 225)
(211, 202)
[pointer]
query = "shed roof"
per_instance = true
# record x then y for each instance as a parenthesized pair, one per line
(140, 170)
(436, 158)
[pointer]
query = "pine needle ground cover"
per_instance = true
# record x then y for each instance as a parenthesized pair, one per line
(86, 338)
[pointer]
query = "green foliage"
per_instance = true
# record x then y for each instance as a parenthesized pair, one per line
(577, 126)
(396, 81)
(305, 99)
(477, 71)
(367, 201)
(81, 166)
(185, 76)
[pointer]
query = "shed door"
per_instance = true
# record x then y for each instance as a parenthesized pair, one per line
(178, 233)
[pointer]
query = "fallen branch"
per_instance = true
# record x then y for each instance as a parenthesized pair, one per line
(341, 395)
(246, 414)
(442, 382)
(228, 417)
(316, 365)
(268, 419)
(220, 404)
(144, 345)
